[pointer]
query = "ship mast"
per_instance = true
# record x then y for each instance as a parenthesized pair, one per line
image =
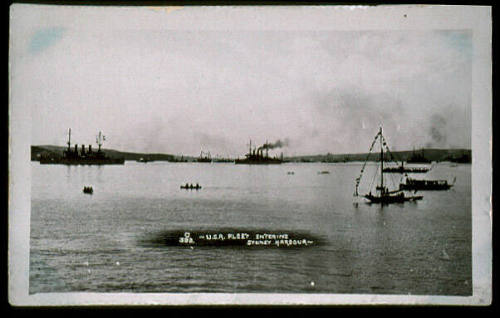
(249, 149)
(69, 140)
(381, 163)
(99, 141)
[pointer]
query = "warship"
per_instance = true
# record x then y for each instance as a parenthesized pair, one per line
(84, 156)
(464, 157)
(256, 156)
(418, 157)
(204, 157)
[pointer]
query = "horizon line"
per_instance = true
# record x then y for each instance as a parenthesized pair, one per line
(291, 156)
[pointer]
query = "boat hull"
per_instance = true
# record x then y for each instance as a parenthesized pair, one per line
(387, 199)
(65, 161)
(406, 170)
(204, 160)
(424, 186)
(258, 162)
(418, 161)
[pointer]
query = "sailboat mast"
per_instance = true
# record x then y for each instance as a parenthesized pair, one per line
(381, 163)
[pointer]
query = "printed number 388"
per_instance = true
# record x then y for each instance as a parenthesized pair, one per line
(186, 239)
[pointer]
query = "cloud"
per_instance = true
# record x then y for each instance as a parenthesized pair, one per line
(182, 91)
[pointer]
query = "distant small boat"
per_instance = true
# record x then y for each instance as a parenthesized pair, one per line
(88, 190)
(290, 172)
(144, 160)
(324, 172)
(191, 187)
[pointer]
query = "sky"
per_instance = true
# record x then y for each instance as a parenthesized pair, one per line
(183, 91)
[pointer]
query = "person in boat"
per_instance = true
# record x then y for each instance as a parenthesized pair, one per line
(191, 186)
(197, 186)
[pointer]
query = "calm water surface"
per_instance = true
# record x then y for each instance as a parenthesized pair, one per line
(96, 242)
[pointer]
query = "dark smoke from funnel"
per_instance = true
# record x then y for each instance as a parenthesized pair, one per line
(277, 144)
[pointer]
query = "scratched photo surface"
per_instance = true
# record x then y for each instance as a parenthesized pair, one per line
(171, 160)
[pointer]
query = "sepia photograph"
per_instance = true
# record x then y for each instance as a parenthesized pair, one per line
(249, 155)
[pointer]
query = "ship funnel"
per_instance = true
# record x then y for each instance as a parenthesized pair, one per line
(83, 149)
(90, 148)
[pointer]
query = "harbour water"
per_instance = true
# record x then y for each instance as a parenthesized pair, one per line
(104, 242)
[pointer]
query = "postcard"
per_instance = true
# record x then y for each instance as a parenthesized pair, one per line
(250, 155)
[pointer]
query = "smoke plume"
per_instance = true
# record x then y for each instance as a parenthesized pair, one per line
(437, 131)
(277, 144)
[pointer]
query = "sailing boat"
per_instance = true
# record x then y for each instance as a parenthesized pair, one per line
(382, 194)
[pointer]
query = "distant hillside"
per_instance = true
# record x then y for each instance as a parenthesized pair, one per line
(457, 155)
